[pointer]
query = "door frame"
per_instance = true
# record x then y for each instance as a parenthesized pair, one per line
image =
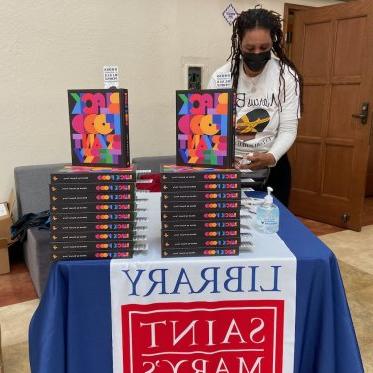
(288, 8)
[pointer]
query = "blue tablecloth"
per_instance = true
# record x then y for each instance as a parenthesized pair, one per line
(71, 330)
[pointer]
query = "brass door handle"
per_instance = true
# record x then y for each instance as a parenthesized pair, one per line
(360, 116)
(363, 115)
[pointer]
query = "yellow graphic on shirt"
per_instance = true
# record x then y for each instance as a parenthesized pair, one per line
(253, 122)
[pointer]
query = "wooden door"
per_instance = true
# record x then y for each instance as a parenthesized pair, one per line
(289, 15)
(333, 48)
(369, 183)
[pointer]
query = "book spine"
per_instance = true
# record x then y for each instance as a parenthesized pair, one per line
(83, 189)
(201, 196)
(91, 255)
(200, 224)
(201, 206)
(74, 159)
(90, 197)
(92, 217)
(199, 234)
(71, 208)
(199, 176)
(199, 215)
(179, 160)
(201, 186)
(126, 140)
(93, 227)
(94, 177)
(202, 242)
(199, 252)
(233, 98)
(91, 246)
(57, 236)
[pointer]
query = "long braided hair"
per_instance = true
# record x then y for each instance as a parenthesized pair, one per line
(269, 20)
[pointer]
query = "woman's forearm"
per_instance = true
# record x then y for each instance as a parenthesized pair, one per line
(285, 138)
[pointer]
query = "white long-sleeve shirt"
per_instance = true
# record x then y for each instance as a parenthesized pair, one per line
(267, 126)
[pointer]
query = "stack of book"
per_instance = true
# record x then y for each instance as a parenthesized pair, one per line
(93, 214)
(200, 211)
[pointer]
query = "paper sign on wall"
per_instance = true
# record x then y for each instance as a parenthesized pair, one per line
(224, 80)
(111, 76)
(230, 14)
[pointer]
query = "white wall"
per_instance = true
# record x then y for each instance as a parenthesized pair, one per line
(48, 46)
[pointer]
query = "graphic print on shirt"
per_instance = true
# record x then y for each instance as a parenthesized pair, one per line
(263, 92)
(249, 124)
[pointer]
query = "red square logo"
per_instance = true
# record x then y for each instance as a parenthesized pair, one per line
(203, 337)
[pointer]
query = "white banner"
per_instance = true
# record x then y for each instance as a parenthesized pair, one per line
(202, 315)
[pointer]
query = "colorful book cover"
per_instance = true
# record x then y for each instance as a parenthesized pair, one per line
(99, 127)
(82, 174)
(174, 173)
(205, 128)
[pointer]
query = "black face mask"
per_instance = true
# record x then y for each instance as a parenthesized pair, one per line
(256, 61)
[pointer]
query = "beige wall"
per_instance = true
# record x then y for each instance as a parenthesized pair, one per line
(48, 46)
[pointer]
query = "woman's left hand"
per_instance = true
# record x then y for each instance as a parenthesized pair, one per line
(258, 161)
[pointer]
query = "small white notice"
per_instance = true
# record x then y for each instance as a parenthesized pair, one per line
(224, 80)
(111, 76)
(230, 14)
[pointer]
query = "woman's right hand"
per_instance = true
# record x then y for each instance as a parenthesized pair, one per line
(241, 163)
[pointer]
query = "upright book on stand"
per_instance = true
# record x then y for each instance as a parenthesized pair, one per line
(99, 127)
(205, 128)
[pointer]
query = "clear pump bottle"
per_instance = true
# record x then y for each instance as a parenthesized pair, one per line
(267, 215)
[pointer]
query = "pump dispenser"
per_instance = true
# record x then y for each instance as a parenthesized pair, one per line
(268, 199)
(268, 215)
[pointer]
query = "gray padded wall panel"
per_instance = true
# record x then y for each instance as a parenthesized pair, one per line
(37, 257)
(32, 187)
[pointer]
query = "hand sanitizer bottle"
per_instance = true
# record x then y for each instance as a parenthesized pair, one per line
(267, 215)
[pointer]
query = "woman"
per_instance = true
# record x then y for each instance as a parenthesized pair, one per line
(268, 96)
